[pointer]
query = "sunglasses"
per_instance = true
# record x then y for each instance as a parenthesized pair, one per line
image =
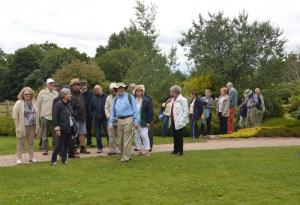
(139, 90)
(28, 94)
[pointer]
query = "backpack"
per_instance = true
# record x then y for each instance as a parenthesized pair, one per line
(258, 105)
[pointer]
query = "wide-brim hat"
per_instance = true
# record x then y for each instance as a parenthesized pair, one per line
(248, 92)
(121, 85)
(112, 86)
(84, 82)
(74, 81)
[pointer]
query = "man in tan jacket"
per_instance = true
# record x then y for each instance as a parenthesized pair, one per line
(113, 141)
(44, 105)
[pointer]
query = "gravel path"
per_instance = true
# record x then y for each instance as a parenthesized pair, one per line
(9, 160)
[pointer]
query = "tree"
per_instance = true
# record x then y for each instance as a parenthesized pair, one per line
(292, 72)
(198, 84)
(21, 65)
(117, 62)
(172, 59)
(88, 71)
(233, 49)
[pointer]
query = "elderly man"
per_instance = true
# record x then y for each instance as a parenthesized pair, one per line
(178, 118)
(260, 108)
(44, 105)
(233, 102)
(96, 108)
(124, 114)
(113, 140)
(78, 106)
(87, 95)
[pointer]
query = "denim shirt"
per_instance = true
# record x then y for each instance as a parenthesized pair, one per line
(123, 108)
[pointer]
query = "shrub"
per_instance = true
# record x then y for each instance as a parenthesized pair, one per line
(7, 127)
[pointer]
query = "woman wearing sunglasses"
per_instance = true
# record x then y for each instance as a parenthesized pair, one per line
(26, 123)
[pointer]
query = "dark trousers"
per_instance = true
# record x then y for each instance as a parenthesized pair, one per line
(62, 147)
(150, 134)
(194, 127)
(98, 123)
(223, 123)
(178, 139)
(89, 125)
(165, 125)
(208, 126)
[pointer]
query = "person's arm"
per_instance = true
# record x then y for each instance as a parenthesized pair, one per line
(39, 104)
(262, 103)
(226, 108)
(134, 110)
(185, 108)
(55, 113)
(112, 114)
(107, 107)
(15, 114)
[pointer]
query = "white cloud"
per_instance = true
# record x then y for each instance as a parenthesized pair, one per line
(86, 24)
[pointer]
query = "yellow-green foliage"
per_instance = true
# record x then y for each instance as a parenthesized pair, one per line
(198, 84)
(275, 127)
(77, 69)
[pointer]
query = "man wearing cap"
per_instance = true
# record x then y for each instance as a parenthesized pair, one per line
(78, 106)
(113, 140)
(124, 114)
(87, 95)
(44, 105)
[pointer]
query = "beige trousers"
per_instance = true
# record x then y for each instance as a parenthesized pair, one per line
(114, 142)
(29, 136)
(125, 135)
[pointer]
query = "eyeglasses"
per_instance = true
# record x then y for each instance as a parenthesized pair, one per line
(28, 94)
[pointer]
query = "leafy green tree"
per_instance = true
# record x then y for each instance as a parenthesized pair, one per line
(232, 49)
(88, 71)
(116, 63)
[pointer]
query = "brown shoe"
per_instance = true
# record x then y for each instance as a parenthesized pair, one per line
(84, 151)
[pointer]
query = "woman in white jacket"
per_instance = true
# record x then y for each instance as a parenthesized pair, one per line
(223, 110)
(178, 118)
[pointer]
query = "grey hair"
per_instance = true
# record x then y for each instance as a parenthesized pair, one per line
(229, 84)
(176, 88)
(63, 92)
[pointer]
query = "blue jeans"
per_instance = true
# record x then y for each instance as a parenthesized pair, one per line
(98, 123)
(223, 123)
(165, 125)
(194, 127)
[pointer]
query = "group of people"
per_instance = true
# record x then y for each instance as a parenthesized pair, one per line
(70, 113)
(250, 114)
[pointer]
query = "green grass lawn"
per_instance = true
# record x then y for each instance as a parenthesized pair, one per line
(8, 144)
(233, 176)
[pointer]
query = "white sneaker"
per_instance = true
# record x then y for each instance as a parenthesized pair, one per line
(19, 161)
(33, 160)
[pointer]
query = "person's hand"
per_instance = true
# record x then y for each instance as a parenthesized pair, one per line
(148, 125)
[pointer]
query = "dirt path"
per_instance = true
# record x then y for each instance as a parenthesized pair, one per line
(9, 160)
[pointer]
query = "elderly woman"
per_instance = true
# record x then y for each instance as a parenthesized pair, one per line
(178, 118)
(207, 102)
(144, 109)
(26, 123)
(64, 125)
(223, 109)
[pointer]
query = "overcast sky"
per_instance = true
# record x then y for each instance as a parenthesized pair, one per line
(85, 24)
